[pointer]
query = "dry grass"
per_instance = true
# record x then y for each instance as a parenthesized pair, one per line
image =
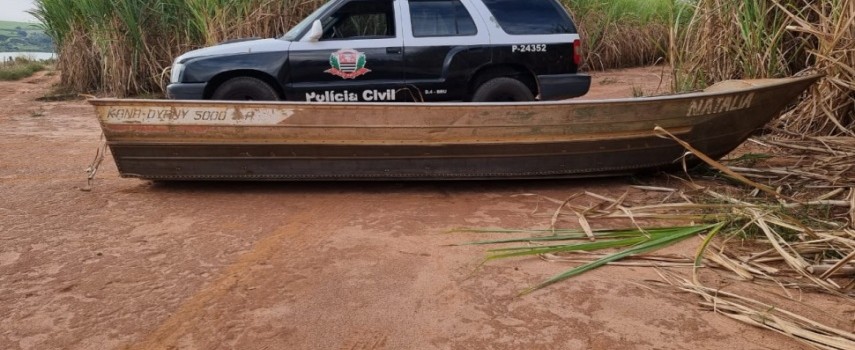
(830, 108)
(622, 33)
(727, 39)
(763, 315)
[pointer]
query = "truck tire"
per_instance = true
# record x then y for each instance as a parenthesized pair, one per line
(503, 89)
(245, 89)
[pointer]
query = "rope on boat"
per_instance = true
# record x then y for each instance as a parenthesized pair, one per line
(96, 163)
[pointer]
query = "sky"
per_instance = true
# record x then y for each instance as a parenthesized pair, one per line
(13, 10)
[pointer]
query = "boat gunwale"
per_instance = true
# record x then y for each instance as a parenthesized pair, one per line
(480, 141)
(767, 85)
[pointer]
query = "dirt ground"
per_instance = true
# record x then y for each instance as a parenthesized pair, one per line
(136, 265)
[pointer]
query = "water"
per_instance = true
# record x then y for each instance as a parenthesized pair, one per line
(35, 55)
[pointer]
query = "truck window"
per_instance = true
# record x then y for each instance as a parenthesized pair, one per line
(531, 17)
(361, 19)
(440, 18)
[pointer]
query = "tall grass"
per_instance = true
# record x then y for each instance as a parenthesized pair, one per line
(829, 28)
(623, 33)
(727, 39)
(124, 47)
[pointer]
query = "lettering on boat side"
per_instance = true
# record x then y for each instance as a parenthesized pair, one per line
(723, 104)
(196, 116)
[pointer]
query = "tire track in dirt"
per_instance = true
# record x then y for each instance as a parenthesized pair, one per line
(182, 321)
(366, 341)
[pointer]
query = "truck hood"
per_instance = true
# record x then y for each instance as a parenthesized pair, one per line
(238, 47)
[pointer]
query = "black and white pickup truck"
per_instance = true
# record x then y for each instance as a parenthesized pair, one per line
(398, 50)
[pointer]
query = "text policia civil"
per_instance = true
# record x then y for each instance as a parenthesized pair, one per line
(348, 96)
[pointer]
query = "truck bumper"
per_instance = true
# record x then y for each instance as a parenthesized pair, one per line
(563, 86)
(186, 91)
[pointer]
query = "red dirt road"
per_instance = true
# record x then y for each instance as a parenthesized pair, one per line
(134, 265)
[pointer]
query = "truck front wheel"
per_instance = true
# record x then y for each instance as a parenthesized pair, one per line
(503, 89)
(245, 89)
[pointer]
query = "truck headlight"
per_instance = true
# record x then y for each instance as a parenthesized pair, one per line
(177, 72)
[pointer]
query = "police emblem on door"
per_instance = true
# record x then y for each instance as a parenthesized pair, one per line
(348, 64)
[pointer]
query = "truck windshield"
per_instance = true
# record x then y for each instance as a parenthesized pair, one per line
(292, 34)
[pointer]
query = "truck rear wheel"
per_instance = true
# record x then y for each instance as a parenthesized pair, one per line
(245, 89)
(503, 89)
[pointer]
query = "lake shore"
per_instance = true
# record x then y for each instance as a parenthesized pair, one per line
(41, 56)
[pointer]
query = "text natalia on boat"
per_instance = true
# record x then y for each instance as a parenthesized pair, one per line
(208, 140)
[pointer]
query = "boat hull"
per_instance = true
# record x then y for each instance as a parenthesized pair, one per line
(192, 140)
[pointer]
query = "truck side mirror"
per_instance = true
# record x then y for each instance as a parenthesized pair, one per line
(316, 31)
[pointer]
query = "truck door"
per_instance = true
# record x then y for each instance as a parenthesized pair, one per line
(445, 42)
(359, 58)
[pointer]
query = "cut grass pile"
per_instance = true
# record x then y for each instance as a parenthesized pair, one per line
(632, 242)
(803, 243)
(19, 68)
(784, 218)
